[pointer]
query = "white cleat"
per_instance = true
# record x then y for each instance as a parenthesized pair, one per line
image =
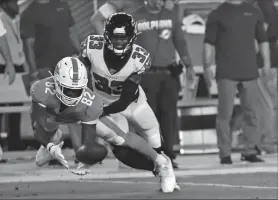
(42, 156)
(167, 177)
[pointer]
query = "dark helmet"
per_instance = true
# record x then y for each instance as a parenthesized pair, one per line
(120, 32)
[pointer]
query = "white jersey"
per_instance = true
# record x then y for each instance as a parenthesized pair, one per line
(107, 84)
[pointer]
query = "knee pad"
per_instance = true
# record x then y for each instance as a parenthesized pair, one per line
(132, 158)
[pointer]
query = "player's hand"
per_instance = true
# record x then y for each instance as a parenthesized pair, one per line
(10, 71)
(209, 76)
(81, 170)
(56, 152)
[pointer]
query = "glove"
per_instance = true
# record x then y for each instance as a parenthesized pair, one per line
(56, 152)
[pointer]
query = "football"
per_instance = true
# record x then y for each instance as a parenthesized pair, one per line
(91, 154)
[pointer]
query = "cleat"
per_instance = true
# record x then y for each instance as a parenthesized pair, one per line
(226, 160)
(177, 187)
(166, 176)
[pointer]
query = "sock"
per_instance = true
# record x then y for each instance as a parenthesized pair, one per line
(140, 145)
(133, 159)
(133, 141)
(159, 150)
(160, 160)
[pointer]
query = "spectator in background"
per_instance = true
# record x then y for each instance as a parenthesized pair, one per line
(230, 31)
(5, 53)
(161, 35)
(49, 34)
(268, 87)
(113, 6)
(15, 62)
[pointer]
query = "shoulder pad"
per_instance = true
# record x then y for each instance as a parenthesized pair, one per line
(142, 57)
(41, 90)
(91, 43)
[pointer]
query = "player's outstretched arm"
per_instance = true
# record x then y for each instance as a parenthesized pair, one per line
(90, 152)
(38, 119)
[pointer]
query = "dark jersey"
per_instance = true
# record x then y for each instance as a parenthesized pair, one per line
(87, 111)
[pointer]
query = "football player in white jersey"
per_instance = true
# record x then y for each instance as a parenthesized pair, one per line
(116, 65)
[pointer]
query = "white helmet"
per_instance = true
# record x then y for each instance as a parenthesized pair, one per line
(70, 77)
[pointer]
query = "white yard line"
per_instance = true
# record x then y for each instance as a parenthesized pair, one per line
(189, 184)
(63, 175)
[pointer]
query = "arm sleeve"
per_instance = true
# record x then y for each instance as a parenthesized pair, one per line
(27, 23)
(260, 32)
(38, 113)
(38, 109)
(212, 28)
(129, 94)
(94, 111)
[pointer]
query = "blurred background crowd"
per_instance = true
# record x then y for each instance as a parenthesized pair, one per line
(207, 95)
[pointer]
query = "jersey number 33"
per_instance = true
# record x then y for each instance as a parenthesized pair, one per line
(113, 88)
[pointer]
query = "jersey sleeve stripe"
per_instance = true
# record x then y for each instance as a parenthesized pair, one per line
(146, 66)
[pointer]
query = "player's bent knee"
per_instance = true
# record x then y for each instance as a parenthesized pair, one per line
(153, 138)
(116, 140)
(91, 154)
